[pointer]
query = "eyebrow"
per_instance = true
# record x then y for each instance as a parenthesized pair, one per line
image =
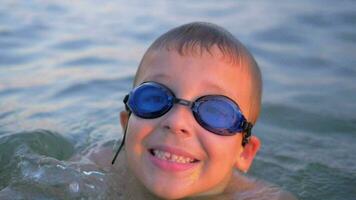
(220, 90)
(157, 76)
(216, 87)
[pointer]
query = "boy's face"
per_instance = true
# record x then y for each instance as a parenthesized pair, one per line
(177, 132)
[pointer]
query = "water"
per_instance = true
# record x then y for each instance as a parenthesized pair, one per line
(65, 67)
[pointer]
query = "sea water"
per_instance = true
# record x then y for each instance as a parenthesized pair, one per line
(66, 65)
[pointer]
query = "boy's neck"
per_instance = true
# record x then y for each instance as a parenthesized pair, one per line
(132, 187)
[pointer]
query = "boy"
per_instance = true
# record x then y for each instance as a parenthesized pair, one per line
(188, 120)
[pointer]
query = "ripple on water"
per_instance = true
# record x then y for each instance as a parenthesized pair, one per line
(74, 45)
(325, 182)
(347, 17)
(9, 59)
(280, 35)
(14, 42)
(320, 20)
(295, 118)
(6, 114)
(15, 146)
(89, 61)
(47, 178)
(96, 86)
(33, 166)
(346, 36)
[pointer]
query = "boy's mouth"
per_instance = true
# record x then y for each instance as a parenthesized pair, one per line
(171, 157)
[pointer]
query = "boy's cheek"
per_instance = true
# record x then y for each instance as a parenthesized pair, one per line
(222, 147)
(137, 132)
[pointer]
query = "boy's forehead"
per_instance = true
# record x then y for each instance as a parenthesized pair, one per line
(194, 52)
(157, 75)
(203, 72)
(156, 62)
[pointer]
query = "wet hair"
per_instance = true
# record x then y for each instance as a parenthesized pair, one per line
(197, 38)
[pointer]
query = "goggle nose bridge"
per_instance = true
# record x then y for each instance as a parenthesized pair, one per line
(183, 102)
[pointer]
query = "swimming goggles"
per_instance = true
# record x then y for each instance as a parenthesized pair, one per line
(216, 113)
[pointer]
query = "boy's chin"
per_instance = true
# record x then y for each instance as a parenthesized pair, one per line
(180, 190)
(175, 193)
(170, 191)
(169, 194)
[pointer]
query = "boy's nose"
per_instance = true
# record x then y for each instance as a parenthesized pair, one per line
(179, 120)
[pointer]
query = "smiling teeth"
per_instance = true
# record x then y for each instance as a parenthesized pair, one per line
(171, 157)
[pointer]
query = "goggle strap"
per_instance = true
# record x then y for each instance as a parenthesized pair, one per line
(119, 149)
(126, 99)
(123, 138)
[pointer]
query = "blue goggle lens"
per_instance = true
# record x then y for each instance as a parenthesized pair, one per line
(150, 101)
(219, 115)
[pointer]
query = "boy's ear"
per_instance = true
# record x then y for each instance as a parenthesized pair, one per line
(124, 119)
(247, 155)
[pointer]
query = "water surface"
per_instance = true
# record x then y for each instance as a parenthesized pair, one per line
(65, 67)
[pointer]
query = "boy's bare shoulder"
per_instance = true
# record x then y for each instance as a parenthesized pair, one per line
(98, 154)
(244, 187)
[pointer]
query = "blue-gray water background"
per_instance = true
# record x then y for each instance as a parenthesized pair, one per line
(66, 65)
